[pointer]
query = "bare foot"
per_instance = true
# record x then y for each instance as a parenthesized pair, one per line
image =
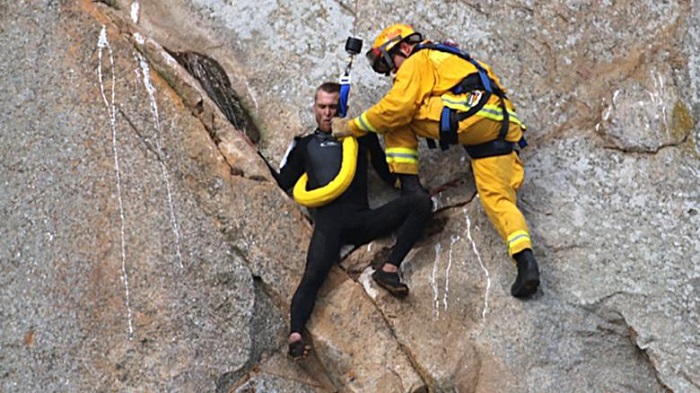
(298, 350)
(294, 337)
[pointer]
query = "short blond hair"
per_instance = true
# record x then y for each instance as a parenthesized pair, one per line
(328, 87)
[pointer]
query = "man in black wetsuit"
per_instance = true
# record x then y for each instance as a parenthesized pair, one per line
(348, 218)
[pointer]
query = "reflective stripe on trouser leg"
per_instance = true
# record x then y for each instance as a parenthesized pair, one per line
(402, 150)
(518, 241)
(496, 180)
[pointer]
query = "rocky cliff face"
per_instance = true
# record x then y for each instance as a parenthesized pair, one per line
(145, 247)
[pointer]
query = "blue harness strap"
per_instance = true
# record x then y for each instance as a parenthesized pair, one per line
(344, 94)
(450, 118)
(483, 75)
(448, 125)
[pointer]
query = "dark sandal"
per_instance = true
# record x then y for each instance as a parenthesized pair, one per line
(391, 282)
(298, 350)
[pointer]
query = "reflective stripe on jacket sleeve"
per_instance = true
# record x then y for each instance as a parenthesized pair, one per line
(413, 82)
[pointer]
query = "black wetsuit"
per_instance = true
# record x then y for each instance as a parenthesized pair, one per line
(348, 219)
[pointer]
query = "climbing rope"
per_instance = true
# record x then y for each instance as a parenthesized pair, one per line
(353, 46)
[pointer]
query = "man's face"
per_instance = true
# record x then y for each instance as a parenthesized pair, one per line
(325, 108)
(401, 55)
(398, 61)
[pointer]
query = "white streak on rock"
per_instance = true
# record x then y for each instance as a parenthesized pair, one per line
(252, 94)
(135, 12)
(453, 240)
(483, 267)
(433, 279)
(658, 100)
(103, 43)
(146, 73)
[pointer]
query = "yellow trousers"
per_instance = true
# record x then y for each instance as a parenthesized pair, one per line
(497, 178)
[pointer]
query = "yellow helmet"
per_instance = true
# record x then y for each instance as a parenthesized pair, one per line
(380, 54)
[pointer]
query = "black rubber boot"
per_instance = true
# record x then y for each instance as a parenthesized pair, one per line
(391, 282)
(528, 275)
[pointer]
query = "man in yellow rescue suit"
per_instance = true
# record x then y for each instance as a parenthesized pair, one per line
(439, 92)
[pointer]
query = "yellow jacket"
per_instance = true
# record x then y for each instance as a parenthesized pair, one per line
(421, 88)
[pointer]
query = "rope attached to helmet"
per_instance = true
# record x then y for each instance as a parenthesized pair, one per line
(353, 46)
